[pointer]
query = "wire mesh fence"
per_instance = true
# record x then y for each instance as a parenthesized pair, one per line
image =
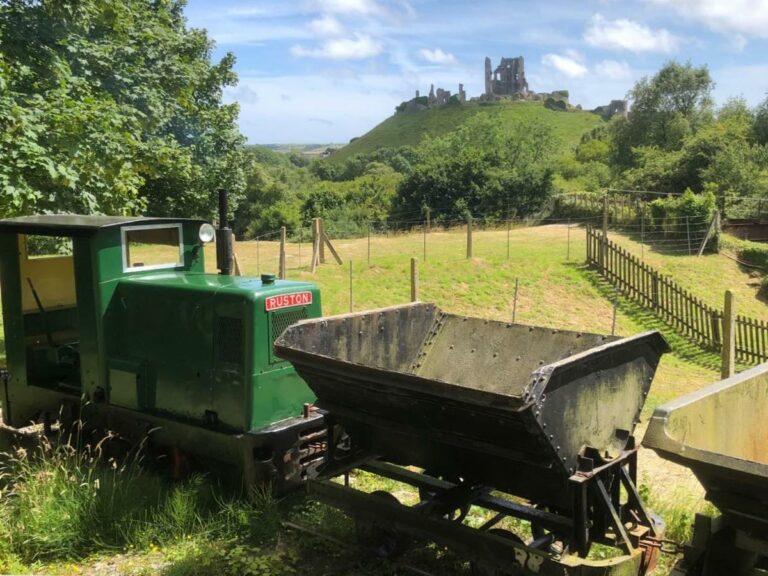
(447, 240)
(688, 314)
(376, 259)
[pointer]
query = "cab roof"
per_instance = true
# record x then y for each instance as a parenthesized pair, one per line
(77, 225)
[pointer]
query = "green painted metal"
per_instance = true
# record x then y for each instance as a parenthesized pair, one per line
(221, 365)
(75, 225)
(177, 344)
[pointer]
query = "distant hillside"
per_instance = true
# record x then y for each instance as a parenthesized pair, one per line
(306, 149)
(409, 128)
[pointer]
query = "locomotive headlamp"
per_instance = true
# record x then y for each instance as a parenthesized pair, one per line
(207, 233)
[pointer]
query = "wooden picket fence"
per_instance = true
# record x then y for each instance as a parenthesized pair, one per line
(621, 208)
(686, 313)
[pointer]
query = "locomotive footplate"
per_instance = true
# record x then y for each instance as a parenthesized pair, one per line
(607, 510)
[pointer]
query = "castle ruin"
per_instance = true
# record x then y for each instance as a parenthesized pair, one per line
(507, 80)
(615, 108)
(437, 97)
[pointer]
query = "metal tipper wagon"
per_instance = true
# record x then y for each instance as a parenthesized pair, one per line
(525, 422)
(721, 434)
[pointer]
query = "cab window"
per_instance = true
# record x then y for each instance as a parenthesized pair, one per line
(152, 247)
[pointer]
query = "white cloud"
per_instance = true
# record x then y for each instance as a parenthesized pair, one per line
(568, 65)
(408, 8)
(349, 6)
(437, 56)
(362, 46)
(326, 25)
(613, 69)
(747, 17)
(738, 42)
(248, 11)
(624, 34)
(315, 114)
(230, 33)
(244, 93)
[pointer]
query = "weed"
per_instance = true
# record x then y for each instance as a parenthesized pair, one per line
(216, 558)
(678, 509)
(58, 503)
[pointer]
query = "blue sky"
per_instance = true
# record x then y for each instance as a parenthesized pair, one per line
(318, 71)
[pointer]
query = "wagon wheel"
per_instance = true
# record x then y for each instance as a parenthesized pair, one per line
(425, 494)
(480, 568)
(382, 541)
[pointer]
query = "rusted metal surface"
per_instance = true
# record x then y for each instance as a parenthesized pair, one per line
(719, 432)
(507, 405)
(508, 556)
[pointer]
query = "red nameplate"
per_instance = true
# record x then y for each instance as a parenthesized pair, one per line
(287, 300)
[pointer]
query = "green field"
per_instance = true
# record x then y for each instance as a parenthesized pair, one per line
(554, 289)
(410, 128)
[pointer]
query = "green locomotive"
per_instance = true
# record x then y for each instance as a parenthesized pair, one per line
(122, 328)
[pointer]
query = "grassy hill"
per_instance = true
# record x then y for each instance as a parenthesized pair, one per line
(409, 128)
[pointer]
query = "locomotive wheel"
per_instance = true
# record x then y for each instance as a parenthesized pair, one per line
(382, 541)
(478, 568)
(456, 515)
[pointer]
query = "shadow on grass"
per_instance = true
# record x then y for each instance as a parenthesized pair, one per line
(666, 246)
(681, 346)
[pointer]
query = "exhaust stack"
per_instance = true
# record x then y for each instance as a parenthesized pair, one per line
(224, 238)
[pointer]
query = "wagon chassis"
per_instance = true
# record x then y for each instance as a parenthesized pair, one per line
(607, 509)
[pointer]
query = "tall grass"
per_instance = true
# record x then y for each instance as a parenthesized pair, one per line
(59, 503)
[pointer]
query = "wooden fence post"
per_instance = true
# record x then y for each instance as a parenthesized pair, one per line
(281, 272)
(509, 230)
(514, 301)
(316, 243)
(729, 337)
(714, 224)
(602, 247)
(655, 290)
(321, 232)
(414, 280)
(469, 235)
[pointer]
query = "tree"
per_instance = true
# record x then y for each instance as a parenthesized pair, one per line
(719, 157)
(666, 108)
(482, 167)
(760, 126)
(112, 107)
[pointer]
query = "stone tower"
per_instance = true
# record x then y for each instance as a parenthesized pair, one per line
(508, 79)
(488, 82)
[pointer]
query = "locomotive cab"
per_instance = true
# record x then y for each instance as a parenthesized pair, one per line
(115, 320)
